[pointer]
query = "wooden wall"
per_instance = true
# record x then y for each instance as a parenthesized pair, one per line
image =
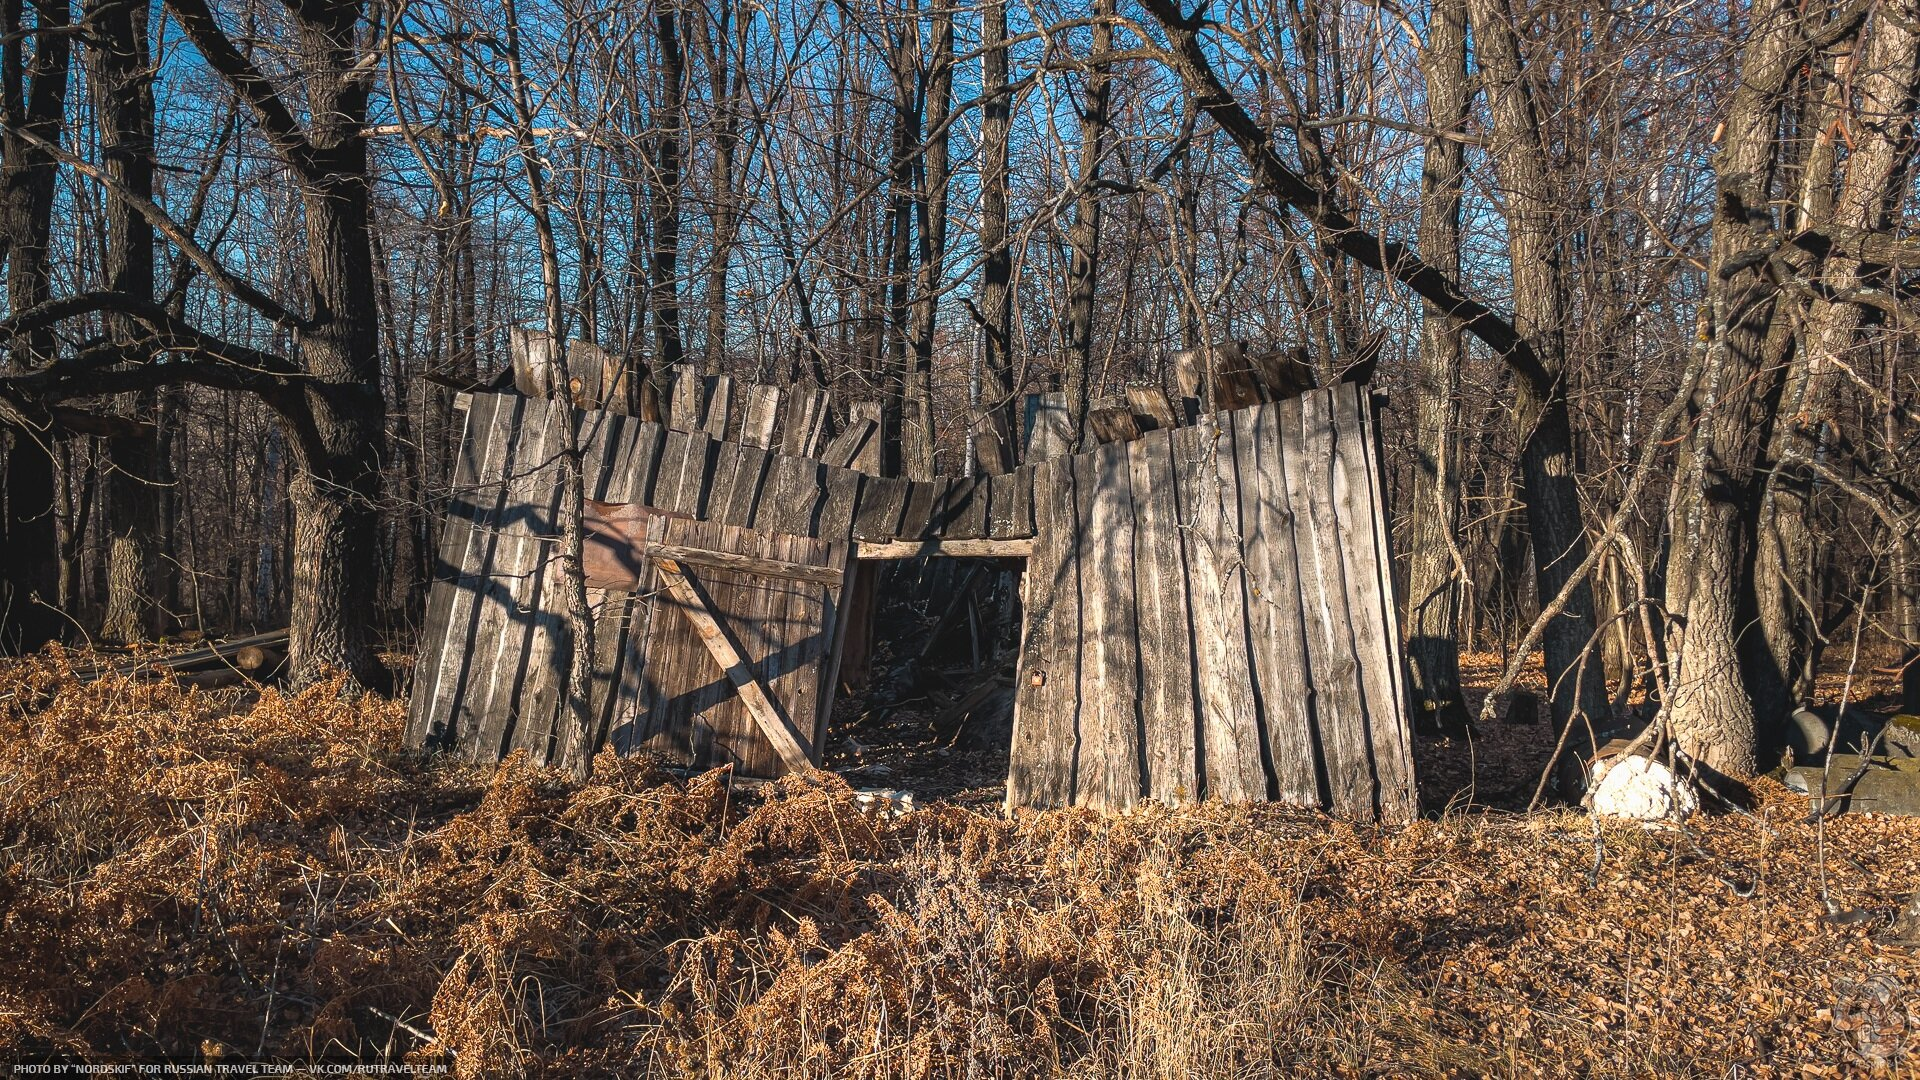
(1210, 615)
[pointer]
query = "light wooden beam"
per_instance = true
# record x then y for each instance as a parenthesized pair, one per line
(958, 549)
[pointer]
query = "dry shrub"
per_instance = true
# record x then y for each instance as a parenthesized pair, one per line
(187, 873)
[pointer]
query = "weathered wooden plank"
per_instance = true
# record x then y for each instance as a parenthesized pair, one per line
(843, 500)
(803, 426)
(757, 565)
(1168, 715)
(535, 367)
(1274, 596)
(714, 420)
(1339, 719)
(796, 486)
(686, 469)
(1368, 574)
(738, 472)
(1023, 494)
(869, 459)
(1049, 427)
(962, 512)
(846, 447)
(923, 500)
(513, 586)
(464, 545)
(1113, 425)
(883, 500)
(1284, 374)
(1018, 548)
(758, 416)
(685, 412)
(633, 470)
(1045, 747)
(1207, 492)
(1151, 409)
(1110, 673)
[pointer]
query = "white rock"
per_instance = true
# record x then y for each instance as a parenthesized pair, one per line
(1641, 789)
(885, 802)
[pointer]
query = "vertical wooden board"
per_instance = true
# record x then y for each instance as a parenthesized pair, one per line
(759, 414)
(512, 587)
(634, 470)
(613, 612)
(923, 500)
(962, 510)
(843, 499)
(692, 711)
(1023, 493)
(1110, 761)
(868, 459)
(882, 502)
(1368, 573)
(1339, 722)
(1167, 713)
(796, 487)
(839, 555)
(685, 470)
(737, 473)
(1404, 804)
(803, 428)
(716, 418)
(601, 436)
(1000, 505)
(1044, 749)
(1208, 499)
(486, 433)
(1275, 630)
(685, 412)
(1049, 429)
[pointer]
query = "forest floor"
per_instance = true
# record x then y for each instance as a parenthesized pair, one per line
(225, 877)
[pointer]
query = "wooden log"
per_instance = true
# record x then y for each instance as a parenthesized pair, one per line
(685, 412)
(871, 456)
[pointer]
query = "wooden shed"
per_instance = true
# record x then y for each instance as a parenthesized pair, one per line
(1208, 607)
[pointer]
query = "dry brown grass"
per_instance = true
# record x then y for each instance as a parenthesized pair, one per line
(178, 876)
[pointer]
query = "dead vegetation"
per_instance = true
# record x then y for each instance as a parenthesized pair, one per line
(180, 876)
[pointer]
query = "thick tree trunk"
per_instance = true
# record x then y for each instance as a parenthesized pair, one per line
(1435, 577)
(1521, 158)
(931, 213)
(1710, 560)
(32, 99)
(123, 102)
(337, 422)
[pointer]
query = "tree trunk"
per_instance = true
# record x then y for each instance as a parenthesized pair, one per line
(1434, 574)
(1083, 236)
(663, 268)
(1708, 583)
(32, 99)
(993, 304)
(123, 102)
(1548, 489)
